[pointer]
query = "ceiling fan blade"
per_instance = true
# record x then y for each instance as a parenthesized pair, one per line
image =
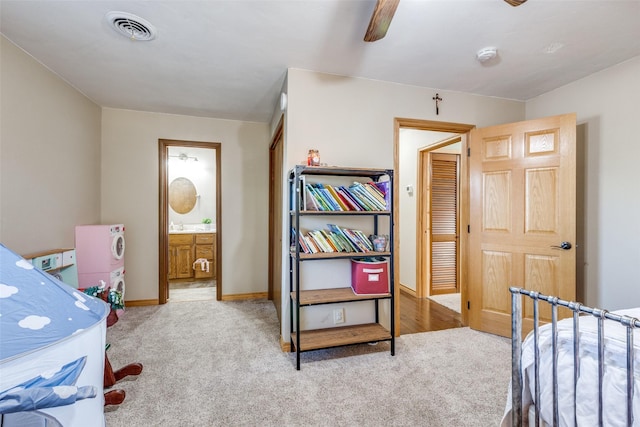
(381, 19)
(515, 2)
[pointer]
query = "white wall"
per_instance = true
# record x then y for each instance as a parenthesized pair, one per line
(49, 158)
(130, 193)
(607, 111)
(64, 162)
(411, 140)
(202, 173)
(351, 122)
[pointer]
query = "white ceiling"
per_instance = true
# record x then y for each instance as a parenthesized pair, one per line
(228, 58)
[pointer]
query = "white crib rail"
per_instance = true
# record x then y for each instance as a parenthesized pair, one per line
(516, 353)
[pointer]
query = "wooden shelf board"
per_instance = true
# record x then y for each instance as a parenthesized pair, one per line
(340, 171)
(328, 296)
(328, 255)
(317, 339)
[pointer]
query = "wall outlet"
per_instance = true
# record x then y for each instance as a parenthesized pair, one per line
(338, 315)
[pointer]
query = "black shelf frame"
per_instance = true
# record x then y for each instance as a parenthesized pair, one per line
(295, 257)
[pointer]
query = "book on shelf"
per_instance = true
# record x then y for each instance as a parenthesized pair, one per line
(336, 197)
(316, 241)
(303, 194)
(319, 200)
(298, 194)
(301, 242)
(364, 239)
(353, 238)
(313, 248)
(351, 247)
(356, 193)
(375, 192)
(303, 245)
(311, 204)
(320, 197)
(344, 246)
(385, 189)
(320, 240)
(367, 197)
(340, 243)
(348, 199)
(330, 241)
(335, 239)
(329, 198)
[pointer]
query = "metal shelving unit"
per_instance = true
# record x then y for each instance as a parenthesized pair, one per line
(315, 339)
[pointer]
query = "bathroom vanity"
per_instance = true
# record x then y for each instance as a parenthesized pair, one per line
(188, 251)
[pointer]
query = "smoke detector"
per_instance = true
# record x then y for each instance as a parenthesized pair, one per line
(553, 47)
(486, 54)
(131, 26)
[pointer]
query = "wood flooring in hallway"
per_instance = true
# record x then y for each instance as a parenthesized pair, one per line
(424, 315)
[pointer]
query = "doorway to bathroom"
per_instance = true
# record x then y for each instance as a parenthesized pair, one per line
(189, 224)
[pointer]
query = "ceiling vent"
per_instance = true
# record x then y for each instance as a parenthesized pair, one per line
(131, 26)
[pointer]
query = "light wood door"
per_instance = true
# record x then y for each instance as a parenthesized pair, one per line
(172, 274)
(184, 261)
(275, 219)
(205, 248)
(522, 207)
(201, 271)
(444, 250)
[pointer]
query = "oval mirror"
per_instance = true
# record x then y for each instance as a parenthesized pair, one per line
(182, 195)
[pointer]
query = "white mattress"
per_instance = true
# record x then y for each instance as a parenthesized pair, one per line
(615, 377)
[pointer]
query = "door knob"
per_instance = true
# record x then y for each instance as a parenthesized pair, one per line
(564, 245)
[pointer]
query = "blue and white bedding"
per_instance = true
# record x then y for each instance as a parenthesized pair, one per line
(51, 344)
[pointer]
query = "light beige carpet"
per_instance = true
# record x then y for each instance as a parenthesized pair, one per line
(219, 363)
(451, 301)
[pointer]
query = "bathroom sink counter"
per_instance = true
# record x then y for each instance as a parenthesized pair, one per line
(198, 231)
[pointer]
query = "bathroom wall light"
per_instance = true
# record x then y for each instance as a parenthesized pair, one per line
(184, 157)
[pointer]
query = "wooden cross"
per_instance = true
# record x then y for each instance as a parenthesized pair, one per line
(437, 99)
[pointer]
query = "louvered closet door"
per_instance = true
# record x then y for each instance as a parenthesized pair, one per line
(444, 254)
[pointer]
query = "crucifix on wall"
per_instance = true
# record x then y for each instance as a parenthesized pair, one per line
(437, 99)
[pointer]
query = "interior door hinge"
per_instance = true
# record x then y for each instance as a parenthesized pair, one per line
(468, 228)
(468, 305)
(468, 151)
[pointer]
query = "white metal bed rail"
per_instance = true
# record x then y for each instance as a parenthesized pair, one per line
(516, 353)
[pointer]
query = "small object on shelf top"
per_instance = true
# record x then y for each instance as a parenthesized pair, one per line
(313, 158)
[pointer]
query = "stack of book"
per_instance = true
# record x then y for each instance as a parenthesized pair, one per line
(335, 239)
(368, 196)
